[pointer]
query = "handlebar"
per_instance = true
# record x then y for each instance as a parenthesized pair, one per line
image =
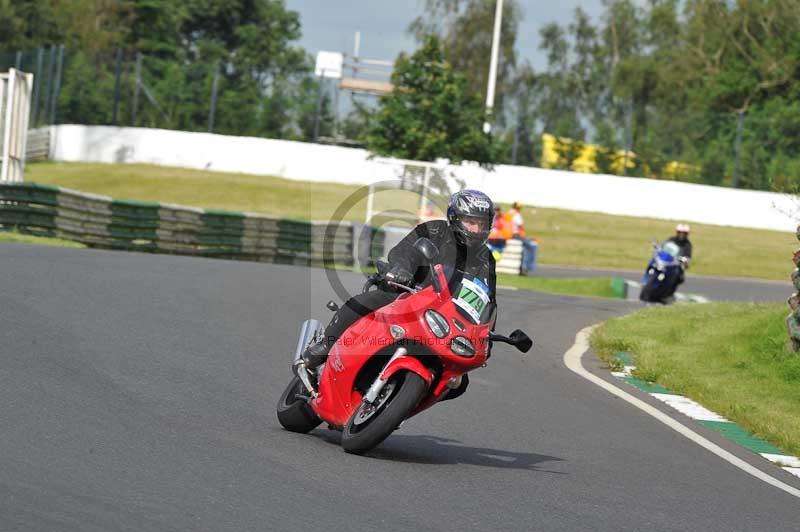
(377, 278)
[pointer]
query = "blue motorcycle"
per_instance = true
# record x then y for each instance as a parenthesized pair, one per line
(663, 273)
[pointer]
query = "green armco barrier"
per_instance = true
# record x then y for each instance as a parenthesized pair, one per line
(103, 222)
(619, 287)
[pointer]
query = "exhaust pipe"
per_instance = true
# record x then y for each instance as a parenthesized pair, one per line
(308, 330)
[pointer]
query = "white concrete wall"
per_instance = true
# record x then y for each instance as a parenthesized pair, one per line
(533, 186)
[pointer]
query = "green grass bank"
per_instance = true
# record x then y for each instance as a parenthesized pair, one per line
(590, 286)
(14, 237)
(567, 237)
(732, 358)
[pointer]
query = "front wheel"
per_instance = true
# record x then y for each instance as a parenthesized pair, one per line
(371, 424)
(294, 413)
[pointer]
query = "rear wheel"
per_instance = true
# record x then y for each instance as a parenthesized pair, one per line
(294, 413)
(371, 424)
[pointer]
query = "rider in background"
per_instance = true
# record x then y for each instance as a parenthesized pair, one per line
(461, 241)
(681, 238)
(529, 247)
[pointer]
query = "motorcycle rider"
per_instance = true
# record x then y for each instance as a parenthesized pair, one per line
(461, 241)
(681, 238)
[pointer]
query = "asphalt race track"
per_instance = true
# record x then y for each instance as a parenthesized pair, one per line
(138, 393)
(713, 288)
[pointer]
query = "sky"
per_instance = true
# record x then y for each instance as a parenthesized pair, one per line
(331, 24)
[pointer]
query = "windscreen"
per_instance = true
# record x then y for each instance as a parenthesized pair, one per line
(671, 248)
(472, 298)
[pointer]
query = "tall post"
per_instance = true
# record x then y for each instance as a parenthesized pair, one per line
(213, 110)
(336, 110)
(37, 86)
(356, 51)
(498, 21)
(515, 145)
(51, 66)
(117, 75)
(57, 84)
(738, 148)
(18, 60)
(424, 195)
(319, 105)
(137, 84)
(628, 139)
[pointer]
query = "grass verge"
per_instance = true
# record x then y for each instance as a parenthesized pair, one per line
(732, 358)
(566, 237)
(593, 287)
(20, 238)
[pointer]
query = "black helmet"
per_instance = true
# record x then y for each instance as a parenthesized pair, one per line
(470, 204)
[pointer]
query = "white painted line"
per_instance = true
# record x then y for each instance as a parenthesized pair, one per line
(504, 287)
(572, 359)
(784, 460)
(686, 406)
(793, 470)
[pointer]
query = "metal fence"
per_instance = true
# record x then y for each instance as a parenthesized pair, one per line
(136, 89)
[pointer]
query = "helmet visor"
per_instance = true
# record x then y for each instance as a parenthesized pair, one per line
(476, 225)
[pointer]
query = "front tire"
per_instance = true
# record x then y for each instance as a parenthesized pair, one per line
(296, 414)
(370, 425)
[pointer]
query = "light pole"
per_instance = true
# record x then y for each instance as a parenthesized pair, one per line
(498, 20)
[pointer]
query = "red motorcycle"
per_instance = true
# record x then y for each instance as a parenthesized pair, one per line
(395, 362)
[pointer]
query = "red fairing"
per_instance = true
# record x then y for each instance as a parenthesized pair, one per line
(338, 397)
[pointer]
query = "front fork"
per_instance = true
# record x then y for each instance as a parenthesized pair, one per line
(380, 382)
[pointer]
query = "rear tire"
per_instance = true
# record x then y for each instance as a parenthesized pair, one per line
(364, 431)
(296, 414)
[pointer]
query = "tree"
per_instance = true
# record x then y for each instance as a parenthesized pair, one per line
(465, 29)
(265, 80)
(431, 113)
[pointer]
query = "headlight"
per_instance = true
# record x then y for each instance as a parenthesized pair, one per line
(462, 347)
(437, 323)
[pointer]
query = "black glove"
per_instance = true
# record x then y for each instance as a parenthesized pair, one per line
(399, 275)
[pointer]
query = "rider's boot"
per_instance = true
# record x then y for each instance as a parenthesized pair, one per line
(313, 356)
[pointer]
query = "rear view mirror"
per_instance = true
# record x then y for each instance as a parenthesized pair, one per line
(520, 340)
(427, 248)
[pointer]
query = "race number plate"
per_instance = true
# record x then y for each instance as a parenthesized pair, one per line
(473, 298)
